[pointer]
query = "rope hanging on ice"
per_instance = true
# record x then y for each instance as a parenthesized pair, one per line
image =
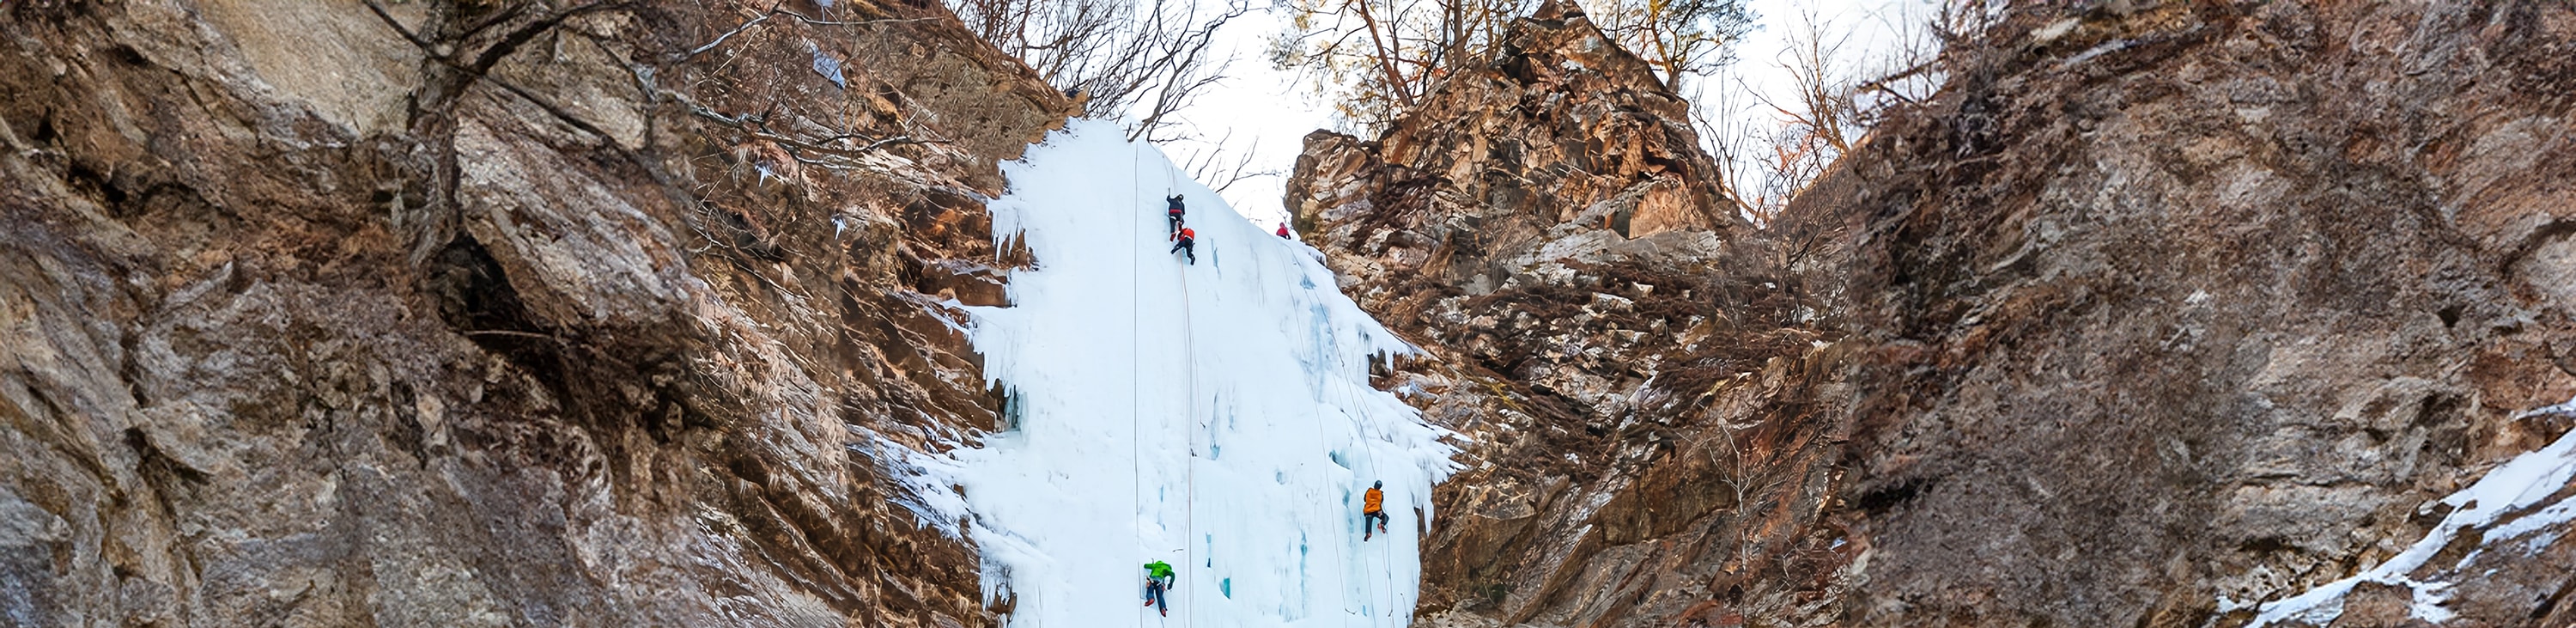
(1286, 350)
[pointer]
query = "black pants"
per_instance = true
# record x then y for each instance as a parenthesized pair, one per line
(1379, 515)
(1175, 220)
(1186, 248)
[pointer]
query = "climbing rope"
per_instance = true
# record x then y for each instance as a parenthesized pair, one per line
(1189, 366)
(1386, 553)
(1189, 464)
(1341, 561)
(1196, 423)
(1135, 359)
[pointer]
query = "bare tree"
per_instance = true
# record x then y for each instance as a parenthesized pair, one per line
(1681, 38)
(1771, 145)
(1219, 164)
(1137, 59)
(1728, 137)
(1377, 58)
(462, 45)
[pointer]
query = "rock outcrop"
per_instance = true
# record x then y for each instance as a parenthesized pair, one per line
(2155, 311)
(478, 313)
(2183, 302)
(1600, 327)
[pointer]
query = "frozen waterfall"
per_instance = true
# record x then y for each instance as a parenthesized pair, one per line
(1216, 416)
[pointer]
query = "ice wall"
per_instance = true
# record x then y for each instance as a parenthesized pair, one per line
(1215, 416)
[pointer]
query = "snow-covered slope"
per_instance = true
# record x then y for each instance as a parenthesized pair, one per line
(1216, 416)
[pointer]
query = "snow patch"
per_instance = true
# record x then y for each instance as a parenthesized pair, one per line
(827, 65)
(2512, 487)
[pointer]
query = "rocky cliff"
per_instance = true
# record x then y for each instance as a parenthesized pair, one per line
(2157, 310)
(1610, 339)
(2186, 302)
(488, 313)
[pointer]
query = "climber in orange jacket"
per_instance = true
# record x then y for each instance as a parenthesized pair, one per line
(1185, 242)
(1372, 506)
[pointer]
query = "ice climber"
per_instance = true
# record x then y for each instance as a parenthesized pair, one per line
(1174, 211)
(1283, 230)
(1185, 242)
(1372, 506)
(1158, 578)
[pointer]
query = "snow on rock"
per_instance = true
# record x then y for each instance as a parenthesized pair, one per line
(1216, 416)
(2506, 494)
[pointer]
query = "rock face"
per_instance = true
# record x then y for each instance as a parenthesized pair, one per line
(515, 314)
(2154, 306)
(1604, 334)
(475, 313)
(2179, 302)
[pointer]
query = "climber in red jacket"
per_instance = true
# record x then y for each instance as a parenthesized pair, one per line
(1185, 242)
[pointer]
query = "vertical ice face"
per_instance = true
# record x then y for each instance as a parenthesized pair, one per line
(1214, 416)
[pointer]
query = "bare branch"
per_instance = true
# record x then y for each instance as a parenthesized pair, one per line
(510, 42)
(1379, 58)
(1221, 166)
(720, 39)
(390, 22)
(777, 10)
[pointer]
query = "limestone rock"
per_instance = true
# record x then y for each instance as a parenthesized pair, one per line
(1595, 322)
(303, 324)
(2153, 305)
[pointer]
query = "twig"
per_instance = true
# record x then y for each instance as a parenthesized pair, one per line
(816, 22)
(510, 43)
(758, 126)
(550, 109)
(518, 334)
(720, 39)
(776, 10)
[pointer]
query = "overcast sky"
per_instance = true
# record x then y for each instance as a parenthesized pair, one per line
(1269, 112)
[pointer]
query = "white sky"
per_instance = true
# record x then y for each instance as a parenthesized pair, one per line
(1257, 104)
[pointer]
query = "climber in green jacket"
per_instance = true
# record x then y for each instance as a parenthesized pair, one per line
(1158, 578)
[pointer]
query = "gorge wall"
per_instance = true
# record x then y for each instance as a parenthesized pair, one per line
(468, 313)
(2156, 310)
(1632, 364)
(474, 313)
(2182, 302)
